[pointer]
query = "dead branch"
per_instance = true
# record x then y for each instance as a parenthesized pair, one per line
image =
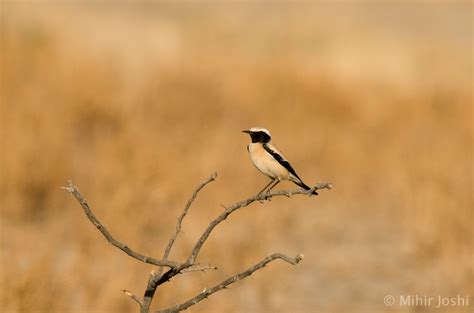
(183, 214)
(209, 291)
(247, 202)
(157, 278)
(85, 206)
(154, 277)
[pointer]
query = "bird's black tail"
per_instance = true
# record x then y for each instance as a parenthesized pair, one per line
(306, 187)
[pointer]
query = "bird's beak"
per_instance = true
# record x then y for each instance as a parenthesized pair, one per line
(246, 131)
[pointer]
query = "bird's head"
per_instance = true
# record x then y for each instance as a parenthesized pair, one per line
(259, 134)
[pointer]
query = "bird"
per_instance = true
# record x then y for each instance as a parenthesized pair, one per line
(268, 160)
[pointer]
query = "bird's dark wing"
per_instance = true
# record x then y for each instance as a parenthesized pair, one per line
(280, 159)
(277, 156)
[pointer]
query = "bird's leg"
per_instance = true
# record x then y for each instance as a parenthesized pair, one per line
(273, 186)
(266, 186)
(276, 181)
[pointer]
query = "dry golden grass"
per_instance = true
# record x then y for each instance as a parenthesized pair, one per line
(139, 103)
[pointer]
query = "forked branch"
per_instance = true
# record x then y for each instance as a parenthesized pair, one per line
(154, 278)
(174, 268)
(247, 202)
(233, 279)
(183, 214)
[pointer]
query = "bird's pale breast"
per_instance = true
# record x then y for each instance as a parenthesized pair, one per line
(265, 163)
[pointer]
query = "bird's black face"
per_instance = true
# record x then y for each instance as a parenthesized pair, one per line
(258, 136)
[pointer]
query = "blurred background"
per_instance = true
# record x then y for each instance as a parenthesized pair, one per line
(138, 102)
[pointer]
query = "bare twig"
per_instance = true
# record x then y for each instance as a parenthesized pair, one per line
(85, 206)
(154, 277)
(244, 203)
(133, 297)
(199, 268)
(209, 291)
(183, 214)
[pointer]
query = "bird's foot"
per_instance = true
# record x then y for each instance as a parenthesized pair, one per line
(263, 196)
(267, 194)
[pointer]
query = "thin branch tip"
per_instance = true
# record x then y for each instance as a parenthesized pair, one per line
(70, 187)
(299, 258)
(133, 297)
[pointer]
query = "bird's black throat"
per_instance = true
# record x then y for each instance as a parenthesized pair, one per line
(262, 137)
